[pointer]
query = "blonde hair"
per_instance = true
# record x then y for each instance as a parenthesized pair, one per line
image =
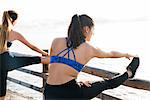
(5, 28)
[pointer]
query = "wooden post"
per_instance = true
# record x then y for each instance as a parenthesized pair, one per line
(45, 69)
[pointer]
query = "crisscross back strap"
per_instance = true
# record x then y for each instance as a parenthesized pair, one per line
(73, 54)
(68, 51)
(61, 51)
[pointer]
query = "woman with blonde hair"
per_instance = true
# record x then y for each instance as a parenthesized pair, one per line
(10, 60)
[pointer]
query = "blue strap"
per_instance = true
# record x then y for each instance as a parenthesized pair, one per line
(67, 51)
(77, 66)
(61, 51)
(68, 54)
(73, 54)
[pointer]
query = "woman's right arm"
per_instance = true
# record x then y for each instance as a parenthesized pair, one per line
(21, 38)
(97, 52)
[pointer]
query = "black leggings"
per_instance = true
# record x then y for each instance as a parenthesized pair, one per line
(10, 61)
(71, 90)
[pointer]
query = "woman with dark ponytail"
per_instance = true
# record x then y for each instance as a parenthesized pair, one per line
(69, 55)
(10, 60)
(75, 36)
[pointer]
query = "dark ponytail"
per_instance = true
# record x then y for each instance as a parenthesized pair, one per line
(75, 30)
(75, 36)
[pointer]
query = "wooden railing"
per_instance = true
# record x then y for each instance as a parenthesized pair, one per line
(136, 83)
(42, 75)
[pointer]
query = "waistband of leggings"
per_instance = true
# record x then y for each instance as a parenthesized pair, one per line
(69, 83)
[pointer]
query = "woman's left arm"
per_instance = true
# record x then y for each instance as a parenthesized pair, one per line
(21, 38)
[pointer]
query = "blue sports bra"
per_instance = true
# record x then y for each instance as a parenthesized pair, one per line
(72, 63)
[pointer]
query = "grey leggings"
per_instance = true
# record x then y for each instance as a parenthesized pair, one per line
(10, 61)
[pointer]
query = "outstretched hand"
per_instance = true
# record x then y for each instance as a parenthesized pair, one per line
(128, 56)
(45, 54)
(86, 83)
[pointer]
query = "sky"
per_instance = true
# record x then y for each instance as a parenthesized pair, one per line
(107, 9)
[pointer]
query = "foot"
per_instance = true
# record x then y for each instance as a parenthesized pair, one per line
(133, 66)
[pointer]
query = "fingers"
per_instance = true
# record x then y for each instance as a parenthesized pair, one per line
(86, 83)
(46, 54)
(45, 60)
(131, 56)
(128, 58)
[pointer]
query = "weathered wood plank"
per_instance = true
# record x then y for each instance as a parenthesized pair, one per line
(31, 72)
(25, 84)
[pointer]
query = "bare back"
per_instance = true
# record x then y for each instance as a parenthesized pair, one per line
(12, 36)
(62, 73)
